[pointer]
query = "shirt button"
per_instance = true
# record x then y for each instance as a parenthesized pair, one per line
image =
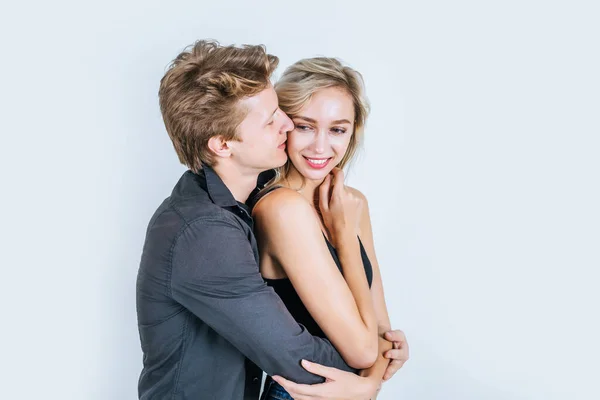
(255, 379)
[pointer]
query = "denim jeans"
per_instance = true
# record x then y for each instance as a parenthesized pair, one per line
(274, 391)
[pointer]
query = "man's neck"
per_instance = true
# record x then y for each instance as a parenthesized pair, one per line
(239, 183)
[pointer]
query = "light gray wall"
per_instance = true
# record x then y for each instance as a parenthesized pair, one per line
(480, 164)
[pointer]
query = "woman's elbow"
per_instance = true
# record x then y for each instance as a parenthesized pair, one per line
(365, 357)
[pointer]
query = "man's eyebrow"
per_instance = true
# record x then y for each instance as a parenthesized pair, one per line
(271, 116)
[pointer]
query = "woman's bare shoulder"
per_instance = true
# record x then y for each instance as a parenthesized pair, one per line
(279, 202)
(357, 193)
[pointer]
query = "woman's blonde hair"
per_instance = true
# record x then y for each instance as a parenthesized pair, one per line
(303, 79)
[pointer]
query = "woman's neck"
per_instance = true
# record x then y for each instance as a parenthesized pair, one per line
(306, 187)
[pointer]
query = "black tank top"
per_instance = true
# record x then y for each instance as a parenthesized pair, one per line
(284, 288)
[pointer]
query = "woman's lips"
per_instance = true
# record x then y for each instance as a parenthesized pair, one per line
(317, 163)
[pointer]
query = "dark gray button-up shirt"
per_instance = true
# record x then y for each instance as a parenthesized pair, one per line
(205, 316)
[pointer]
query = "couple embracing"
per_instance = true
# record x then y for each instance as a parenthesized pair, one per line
(262, 259)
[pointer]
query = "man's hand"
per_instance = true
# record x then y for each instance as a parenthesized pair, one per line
(398, 355)
(339, 385)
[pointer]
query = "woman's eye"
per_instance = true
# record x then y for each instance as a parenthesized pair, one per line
(302, 127)
(338, 131)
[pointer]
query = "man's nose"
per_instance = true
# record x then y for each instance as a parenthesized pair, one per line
(287, 125)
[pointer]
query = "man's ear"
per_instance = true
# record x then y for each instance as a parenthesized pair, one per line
(219, 147)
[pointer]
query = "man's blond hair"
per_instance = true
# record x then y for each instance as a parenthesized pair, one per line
(200, 92)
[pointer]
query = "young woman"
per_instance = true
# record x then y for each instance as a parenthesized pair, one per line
(314, 233)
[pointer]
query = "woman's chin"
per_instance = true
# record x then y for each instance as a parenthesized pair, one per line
(316, 175)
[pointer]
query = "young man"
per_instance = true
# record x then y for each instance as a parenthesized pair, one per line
(206, 319)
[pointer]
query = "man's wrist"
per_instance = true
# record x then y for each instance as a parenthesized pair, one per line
(371, 383)
(368, 376)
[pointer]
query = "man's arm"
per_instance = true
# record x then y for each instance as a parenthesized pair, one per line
(216, 277)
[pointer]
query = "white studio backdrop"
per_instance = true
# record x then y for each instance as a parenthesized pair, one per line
(480, 165)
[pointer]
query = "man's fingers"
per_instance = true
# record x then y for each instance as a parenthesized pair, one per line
(398, 338)
(399, 353)
(388, 374)
(321, 370)
(396, 355)
(299, 391)
(395, 336)
(294, 389)
(392, 368)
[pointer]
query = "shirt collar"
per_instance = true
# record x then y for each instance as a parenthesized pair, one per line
(217, 190)
(220, 194)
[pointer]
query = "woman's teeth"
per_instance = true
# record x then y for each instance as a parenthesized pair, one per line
(312, 160)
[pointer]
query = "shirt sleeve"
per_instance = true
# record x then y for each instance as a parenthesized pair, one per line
(216, 277)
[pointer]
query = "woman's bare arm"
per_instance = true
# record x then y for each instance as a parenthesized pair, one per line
(288, 226)
(366, 236)
(377, 371)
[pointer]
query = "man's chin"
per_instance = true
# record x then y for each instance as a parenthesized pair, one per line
(275, 162)
(281, 162)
